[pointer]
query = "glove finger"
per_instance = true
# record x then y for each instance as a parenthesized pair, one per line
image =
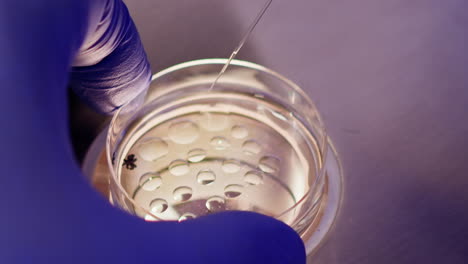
(242, 237)
(112, 69)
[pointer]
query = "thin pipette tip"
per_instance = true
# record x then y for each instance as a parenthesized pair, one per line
(242, 42)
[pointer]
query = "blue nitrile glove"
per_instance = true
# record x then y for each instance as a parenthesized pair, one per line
(49, 212)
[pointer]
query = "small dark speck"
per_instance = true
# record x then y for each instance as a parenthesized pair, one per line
(129, 162)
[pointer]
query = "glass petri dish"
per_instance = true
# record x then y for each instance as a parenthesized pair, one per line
(254, 142)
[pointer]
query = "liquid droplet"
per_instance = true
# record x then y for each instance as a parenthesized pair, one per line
(251, 147)
(158, 206)
(152, 149)
(206, 177)
(187, 216)
(196, 155)
(150, 181)
(253, 178)
(231, 166)
(215, 204)
(233, 190)
(179, 167)
(184, 132)
(182, 194)
(239, 132)
(269, 164)
(220, 143)
(214, 122)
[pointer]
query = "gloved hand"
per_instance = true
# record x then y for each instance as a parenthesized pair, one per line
(49, 212)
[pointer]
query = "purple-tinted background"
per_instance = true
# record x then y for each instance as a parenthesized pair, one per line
(391, 80)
